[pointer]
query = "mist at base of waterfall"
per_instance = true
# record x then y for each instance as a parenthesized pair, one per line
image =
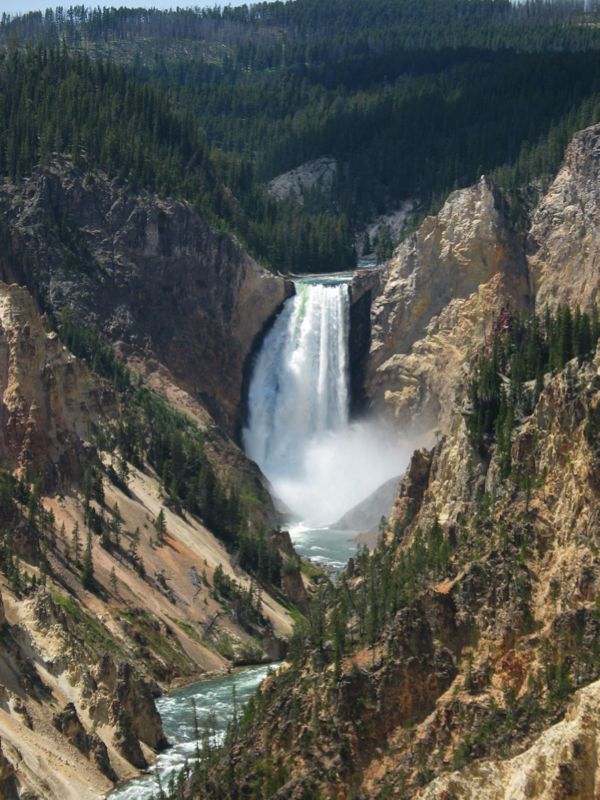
(340, 469)
(319, 463)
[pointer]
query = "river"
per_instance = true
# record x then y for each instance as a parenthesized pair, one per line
(326, 546)
(319, 462)
(212, 697)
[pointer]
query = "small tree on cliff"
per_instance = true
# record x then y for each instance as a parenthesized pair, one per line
(113, 581)
(133, 545)
(76, 544)
(87, 570)
(160, 526)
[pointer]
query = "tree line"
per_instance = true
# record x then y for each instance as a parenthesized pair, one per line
(413, 99)
(54, 102)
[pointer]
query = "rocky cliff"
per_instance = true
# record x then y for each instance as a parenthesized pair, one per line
(482, 610)
(51, 404)
(562, 245)
(440, 292)
(461, 658)
(148, 271)
(562, 762)
(103, 607)
(314, 178)
(444, 285)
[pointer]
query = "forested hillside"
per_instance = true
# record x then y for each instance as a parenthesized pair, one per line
(411, 99)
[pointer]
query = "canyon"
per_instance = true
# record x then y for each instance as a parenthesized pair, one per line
(82, 666)
(482, 679)
(476, 680)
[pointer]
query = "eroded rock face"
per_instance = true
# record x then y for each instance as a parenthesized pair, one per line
(148, 270)
(401, 687)
(8, 781)
(67, 722)
(49, 401)
(464, 693)
(445, 285)
(294, 589)
(564, 240)
(364, 287)
(134, 699)
(464, 671)
(562, 763)
(120, 698)
(312, 177)
(441, 291)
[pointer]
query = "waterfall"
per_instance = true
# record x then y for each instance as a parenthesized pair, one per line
(299, 387)
(298, 430)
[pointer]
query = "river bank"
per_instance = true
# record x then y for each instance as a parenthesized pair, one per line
(212, 698)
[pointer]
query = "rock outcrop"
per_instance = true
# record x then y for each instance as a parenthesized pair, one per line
(440, 291)
(364, 287)
(148, 271)
(8, 783)
(133, 700)
(561, 763)
(69, 725)
(366, 516)
(315, 177)
(563, 245)
(50, 404)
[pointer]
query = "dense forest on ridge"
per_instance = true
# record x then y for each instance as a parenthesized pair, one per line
(209, 105)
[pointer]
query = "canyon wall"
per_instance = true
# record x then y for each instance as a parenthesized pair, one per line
(84, 654)
(481, 679)
(444, 286)
(154, 277)
(440, 292)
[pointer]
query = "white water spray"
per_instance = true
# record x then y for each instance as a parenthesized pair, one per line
(298, 429)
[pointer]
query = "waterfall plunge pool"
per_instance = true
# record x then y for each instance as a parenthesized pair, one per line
(327, 546)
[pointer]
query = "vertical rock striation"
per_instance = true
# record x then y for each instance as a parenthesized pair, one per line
(563, 245)
(440, 292)
(49, 402)
(149, 271)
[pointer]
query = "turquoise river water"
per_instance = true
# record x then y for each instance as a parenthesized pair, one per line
(326, 546)
(212, 697)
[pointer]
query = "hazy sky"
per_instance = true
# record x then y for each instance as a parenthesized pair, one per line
(22, 6)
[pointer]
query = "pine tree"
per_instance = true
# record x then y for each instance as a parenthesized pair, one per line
(133, 545)
(87, 569)
(160, 526)
(76, 545)
(565, 336)
(113, 581)
(62, 535)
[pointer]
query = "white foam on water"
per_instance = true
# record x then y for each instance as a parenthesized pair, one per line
(318, 462)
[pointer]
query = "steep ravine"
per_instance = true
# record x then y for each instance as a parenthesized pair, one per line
(80, 665)
(83, 658)
(461, 659)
